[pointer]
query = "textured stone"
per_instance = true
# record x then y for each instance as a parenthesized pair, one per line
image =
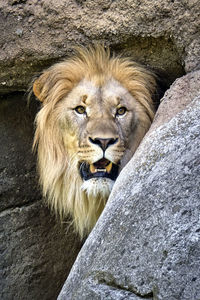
(146, 242)
(34, 34)
(181, 93)
(36, 254)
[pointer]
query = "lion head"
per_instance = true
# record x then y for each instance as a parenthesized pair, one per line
(96, 108)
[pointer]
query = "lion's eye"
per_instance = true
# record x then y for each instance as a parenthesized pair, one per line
(121, 111)
(80, 109)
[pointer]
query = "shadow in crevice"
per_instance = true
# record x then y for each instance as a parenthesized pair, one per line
(159, 54)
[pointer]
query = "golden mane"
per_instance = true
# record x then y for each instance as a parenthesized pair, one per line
(59, 176)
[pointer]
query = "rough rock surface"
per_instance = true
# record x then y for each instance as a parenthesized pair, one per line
(146, 242)
(181, 93)
(36, 254)
(35, 33)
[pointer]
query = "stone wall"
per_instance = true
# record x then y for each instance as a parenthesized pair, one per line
(36, 252)
(34, 34)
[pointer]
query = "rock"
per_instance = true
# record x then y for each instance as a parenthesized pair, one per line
(181, 93)
(146, 242)
(36, 253)
(34, 34)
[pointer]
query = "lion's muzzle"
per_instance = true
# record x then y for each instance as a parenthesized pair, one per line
(103, 143)
(101, 168)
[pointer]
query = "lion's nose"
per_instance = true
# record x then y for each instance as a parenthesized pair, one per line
(103, 143)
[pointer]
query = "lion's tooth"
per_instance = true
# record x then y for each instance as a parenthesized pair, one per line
(109, 167)
(92, 168)
(106, 169)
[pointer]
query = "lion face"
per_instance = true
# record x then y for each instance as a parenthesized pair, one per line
(104, 120)
(95, 111)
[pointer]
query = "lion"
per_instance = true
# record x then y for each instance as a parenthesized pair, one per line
(95, 110)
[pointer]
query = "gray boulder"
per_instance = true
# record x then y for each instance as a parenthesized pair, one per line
(146, 244)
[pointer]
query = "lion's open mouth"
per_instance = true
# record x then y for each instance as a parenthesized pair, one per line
(101, 168)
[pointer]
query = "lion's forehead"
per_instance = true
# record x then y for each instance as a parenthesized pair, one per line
(87, 87)
(114, 89)
(110, 93)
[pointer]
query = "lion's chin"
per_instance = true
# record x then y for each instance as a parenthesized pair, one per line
(98, 187)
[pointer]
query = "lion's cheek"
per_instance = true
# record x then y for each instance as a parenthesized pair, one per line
(89, 154)
(70, 144)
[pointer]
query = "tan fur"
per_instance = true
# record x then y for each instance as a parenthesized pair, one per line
(101, 83)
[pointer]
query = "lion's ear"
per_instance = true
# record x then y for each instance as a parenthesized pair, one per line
(38, 86)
